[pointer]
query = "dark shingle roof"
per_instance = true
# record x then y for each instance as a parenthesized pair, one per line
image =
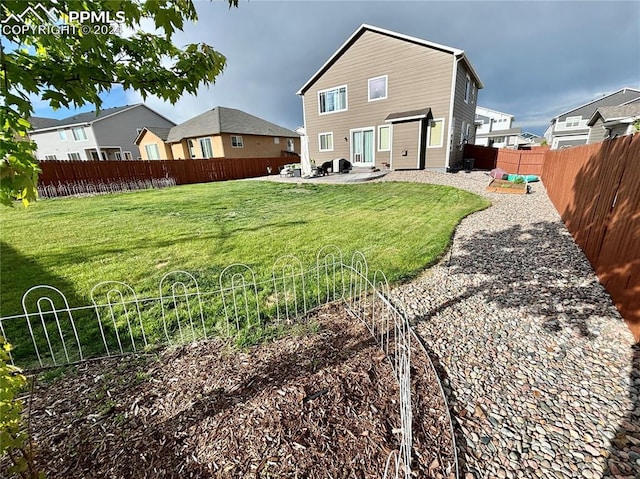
(609, 113)
(38, 122)
(160, 132)
(618, 98)
(226, 120)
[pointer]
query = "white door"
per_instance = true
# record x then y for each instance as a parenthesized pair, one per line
(362, 147)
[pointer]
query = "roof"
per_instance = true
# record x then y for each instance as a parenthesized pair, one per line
(226, 120)
(160, 132)
(507, 132)
(489, 110)
(418, 41)
(408, 115)
(84, 118)
(630, 111)
(39, 122)
(619, 97)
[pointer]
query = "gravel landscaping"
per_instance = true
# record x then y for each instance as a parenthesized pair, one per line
(542, 373)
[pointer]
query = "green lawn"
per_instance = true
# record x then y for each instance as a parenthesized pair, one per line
(73, 244)
(137, 237)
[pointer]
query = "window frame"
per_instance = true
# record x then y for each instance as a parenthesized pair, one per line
(441, 142)
(146, 149)
(337, 88)
(117, 155)
(127, 154)
(200, 140)
(84, 133)
(386, 88)
(575, 121)
(380, 127)
(320, 135)
(50, 158)
(75, 153)
(62, 135)
(239, 144)
(467, 89)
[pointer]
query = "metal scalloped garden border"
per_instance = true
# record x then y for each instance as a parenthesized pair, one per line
(288, 296)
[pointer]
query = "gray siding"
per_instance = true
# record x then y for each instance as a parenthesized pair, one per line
(463, 112)
(597, 132)
(121, 130)
(417, 77)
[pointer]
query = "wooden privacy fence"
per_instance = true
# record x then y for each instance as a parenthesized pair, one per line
(522, 162)
(182, 171)
(596, 190)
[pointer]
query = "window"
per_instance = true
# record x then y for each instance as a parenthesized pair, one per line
(383, 138)
(128, 155)
(436, 133)
(62, 135)
(467, 90)
(79, 134)
(378, 88)
(192, 149)
(572, 121)
(205, 147)
(152, 151)
(236, 142)
(276, 140)
(333, 100)
(326, 141)
(73, 156)
(290, 144)
(118, 155)
(50, 157)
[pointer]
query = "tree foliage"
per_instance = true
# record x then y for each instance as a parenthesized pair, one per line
(73, 66)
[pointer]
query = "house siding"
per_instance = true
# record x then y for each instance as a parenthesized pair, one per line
(120, 130)
(49, 143)
(417, 77)
(150, 138)
(597, 132)
(464, 113)
(255, 146)
(405, 139)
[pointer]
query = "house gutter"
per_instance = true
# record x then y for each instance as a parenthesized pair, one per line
(454, 78)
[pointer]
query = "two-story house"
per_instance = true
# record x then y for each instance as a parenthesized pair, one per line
(613, 121)
(108, 135)
(572, 128)
(388, 99)
(495, 129)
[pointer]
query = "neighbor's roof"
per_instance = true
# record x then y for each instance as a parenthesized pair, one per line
(160, 132)
(226, 120)
(629, 111)
(84, 118)
(506, 132)
(364, 27)
(489, 110)
(624, 95)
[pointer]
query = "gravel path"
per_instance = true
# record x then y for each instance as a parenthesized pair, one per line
(541, 372)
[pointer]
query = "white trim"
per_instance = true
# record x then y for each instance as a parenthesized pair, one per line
(380, 136)
(346, 99)
(320, 142)
(386, 88)
(467, 89)
(419, 146)
(231, 137)
(441, 133)
(363, 129)
(406, 118)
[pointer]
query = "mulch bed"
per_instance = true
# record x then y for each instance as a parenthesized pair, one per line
(318, 405)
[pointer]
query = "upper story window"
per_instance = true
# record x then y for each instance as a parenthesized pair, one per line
(79, 134)
(572, 121)
(62, 135)
(236, 142)
(332, 100)
(378, 88)
(467, 89)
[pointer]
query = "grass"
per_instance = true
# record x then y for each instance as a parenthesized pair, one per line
(137, 237)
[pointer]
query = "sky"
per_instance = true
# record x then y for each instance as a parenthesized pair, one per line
(536, 59)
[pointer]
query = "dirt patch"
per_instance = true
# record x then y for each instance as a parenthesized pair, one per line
(317, 405)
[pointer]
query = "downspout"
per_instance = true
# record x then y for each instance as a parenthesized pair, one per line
(454, 78)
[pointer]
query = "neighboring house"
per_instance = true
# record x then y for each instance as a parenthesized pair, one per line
(613, 121)
(388, 99)
(108, 135)
(571, 128)
(495, 129)
(220, 133)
